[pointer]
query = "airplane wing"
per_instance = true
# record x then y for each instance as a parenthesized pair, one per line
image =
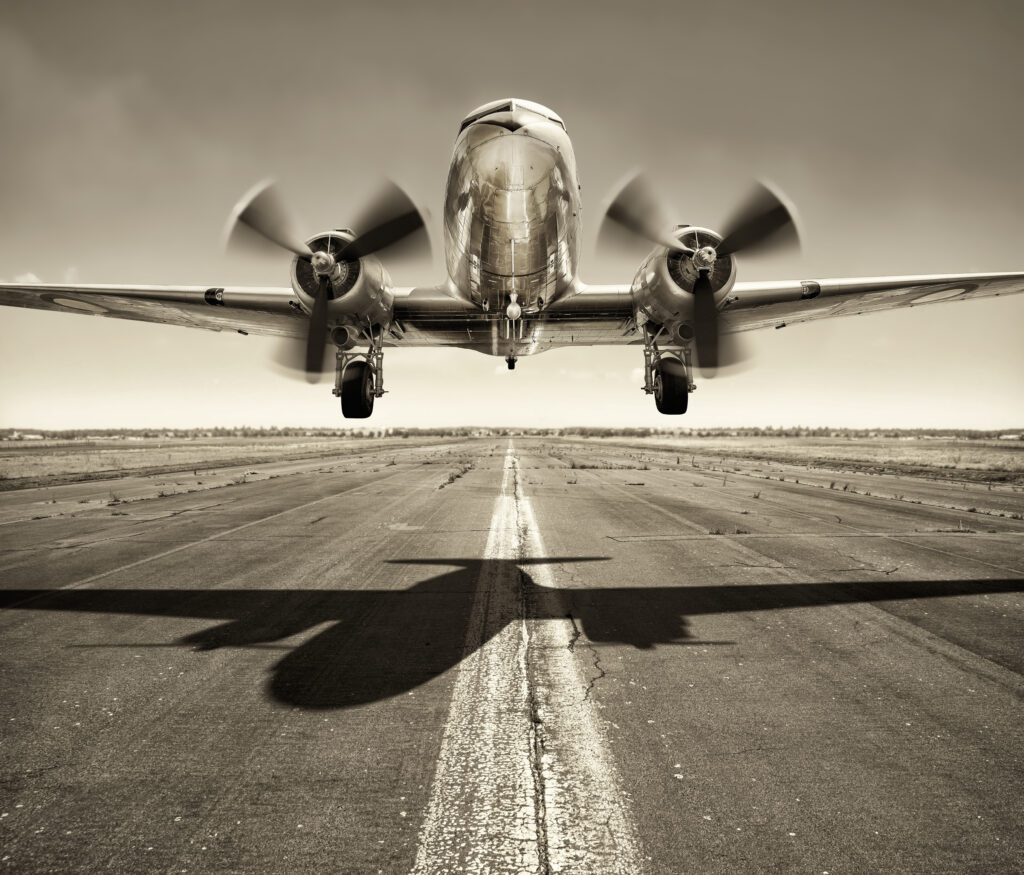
(425, 316)
(597, 316)
(604, 314)
(775, 304)
(250, 310)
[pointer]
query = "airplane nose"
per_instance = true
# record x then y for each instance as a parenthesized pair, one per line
(516, 170)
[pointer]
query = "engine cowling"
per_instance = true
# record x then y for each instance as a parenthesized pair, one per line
(663, 287)
(360, 290)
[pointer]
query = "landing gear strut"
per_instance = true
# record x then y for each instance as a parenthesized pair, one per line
(667, 373)
(359, 378)
(513, 328)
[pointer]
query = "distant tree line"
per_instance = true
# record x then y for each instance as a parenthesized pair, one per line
(472, 431)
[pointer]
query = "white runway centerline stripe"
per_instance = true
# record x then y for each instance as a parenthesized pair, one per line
(524, 782)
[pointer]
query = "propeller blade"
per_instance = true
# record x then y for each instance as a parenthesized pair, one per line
(288, 358)
(636, 214)
(732, 351)
(764, 222)
(393, 222)
(705, 323)
(316, 339)
(260, 219)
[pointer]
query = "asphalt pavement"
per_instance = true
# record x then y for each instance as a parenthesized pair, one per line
(509, 655)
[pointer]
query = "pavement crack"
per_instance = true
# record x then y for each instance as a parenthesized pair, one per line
(537, 748)
(611, 832)
(577, 634)
(773, 566)
(536, 721)
(863, 566)
(571, 646)
(601, 673)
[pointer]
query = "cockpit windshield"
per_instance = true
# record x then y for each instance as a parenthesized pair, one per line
(509, 105)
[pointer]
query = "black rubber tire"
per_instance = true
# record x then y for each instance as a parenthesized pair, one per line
(357, 391)
(671, 386)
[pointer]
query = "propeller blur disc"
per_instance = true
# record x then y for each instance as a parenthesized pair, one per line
(260, 220)
(636, 215)
(390, 222)
(763, 222)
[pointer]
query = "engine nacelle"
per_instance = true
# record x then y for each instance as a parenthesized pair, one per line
(359, 293)
(663, 287)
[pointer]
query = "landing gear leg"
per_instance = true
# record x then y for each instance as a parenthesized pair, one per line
(667, 374)
(359, 378)
(511, 362)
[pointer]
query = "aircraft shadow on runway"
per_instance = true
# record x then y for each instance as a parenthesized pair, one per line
(381, 643)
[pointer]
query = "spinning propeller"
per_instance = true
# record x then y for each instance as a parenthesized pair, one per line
(763, 223)
(391, 221)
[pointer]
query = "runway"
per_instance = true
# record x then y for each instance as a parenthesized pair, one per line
(507, 655)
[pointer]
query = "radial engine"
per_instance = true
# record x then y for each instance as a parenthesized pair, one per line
(663, 290)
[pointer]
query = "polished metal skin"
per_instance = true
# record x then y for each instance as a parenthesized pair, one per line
(512, 240)
(512, 207)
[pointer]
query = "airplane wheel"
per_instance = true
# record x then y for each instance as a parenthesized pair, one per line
(357, 391)
(671, 386)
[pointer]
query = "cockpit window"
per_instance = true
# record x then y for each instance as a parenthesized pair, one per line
(486, 109)
(509, 105)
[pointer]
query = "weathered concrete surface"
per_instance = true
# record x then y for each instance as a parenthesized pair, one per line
(672, 668)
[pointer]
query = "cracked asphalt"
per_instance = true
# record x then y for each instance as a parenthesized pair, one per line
(673, 668)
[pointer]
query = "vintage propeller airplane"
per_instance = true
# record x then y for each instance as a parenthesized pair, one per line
(512, 239)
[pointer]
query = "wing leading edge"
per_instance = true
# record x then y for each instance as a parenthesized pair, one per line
(773, 304)
(254, 310)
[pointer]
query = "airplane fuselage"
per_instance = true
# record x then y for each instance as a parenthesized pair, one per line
(512, 208)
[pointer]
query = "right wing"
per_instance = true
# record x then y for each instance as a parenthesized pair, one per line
(249, 310)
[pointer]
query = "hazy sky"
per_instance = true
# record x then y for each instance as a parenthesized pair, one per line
(131, 128)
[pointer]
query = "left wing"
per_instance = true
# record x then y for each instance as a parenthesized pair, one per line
(251, 310)
(604, 314)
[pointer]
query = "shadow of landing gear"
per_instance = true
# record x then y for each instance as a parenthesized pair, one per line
(383, 643)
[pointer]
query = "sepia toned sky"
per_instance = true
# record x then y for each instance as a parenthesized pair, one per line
(130, 129)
